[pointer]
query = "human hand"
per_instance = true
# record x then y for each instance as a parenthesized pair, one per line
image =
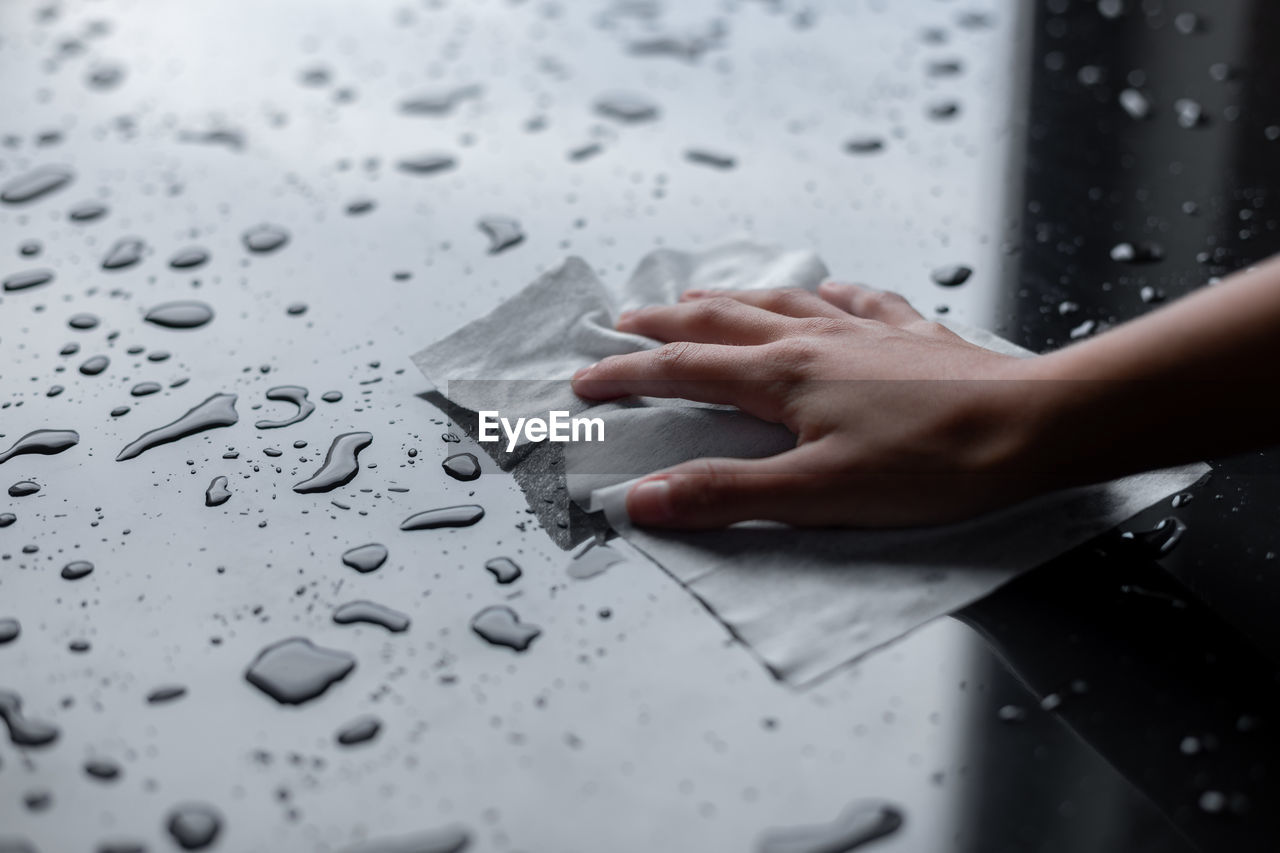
(898, 420)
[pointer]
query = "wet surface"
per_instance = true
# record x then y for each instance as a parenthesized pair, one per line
(322, 195)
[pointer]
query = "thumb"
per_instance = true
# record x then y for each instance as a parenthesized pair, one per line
(707, 493)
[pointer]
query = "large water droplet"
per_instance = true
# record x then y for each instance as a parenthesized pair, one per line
(265, 238)
(24, 731)
(296, 670)
(504, 569)
(951, 276)
(10, 629)
(7, 518)
(77, 569)
(217, 411)
(183, 314)
(188, 258)
(36, 183)
(125, 253)
(194, 825)
(501, 626)
(22, 488)
(94, 365)
(860, 823)
(366, 558)
(295, 394)
(217, 494)
(43, 441)
(341, 464)
(503, 232)
(1135, 103)
(373, 613)
(27, 278)
(462, 466)
(449, 516)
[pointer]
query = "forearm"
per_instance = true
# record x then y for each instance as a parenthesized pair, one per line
(1198, 378)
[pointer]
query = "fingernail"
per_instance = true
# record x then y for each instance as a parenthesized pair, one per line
(625, 316)
(650, 502)
(583, 371)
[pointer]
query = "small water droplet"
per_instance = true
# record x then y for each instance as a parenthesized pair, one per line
(462, 466)
(864, 145)
(182, 314)
(87, 211)
(449, 839)
(144, 389)
(22, 730)
(1144, 252)
(295, 670)
(166, 693)
(1011, 714)
(861, 822)
(83, 322)
(503, 232)
(331, 396)
(10, 630)
(438, 103)
(22, 488)
(105, 76)
(94, 365)
(449, 516)
(626, 107)
(427, 164)
(592, 560)
(188, 258)
(296, 309)
(501, 626)
(359, 206)
(102, 769)
(713, 159)
(1135, 104)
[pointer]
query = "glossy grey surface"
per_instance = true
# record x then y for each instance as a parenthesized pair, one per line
(633, 722)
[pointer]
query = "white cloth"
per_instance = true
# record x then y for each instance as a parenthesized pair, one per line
(806, 601)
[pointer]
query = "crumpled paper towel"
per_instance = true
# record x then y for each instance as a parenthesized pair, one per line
(804, 601)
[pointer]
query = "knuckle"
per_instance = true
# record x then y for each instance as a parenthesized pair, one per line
(789, 297)
(711, 311)
(674, 356)
(702, 485)
(823, 326)
(791, 358)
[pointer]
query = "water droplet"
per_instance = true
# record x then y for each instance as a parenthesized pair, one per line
(943, 110)
(1212, 802)
(860, 823)
(1011, 714)
(1151, 295)
(34, 184)
(144, 389)
(449, 516)
(296, 670)
(217, 494)
(192, 256)
(7, 518)
(105, 76)
(27, 278)
(331, 396)
(592, 560)
(864, 145)
(366, 558)
(194, 825)
(951, 276)
(1190, 113)
(438, 103)
(24, 731)
(1083, 330)
(1135, 104)
(372, 613)
(626, 107)
(166, 693)
(217, 411)
(359, 206)
(296, 309)
(501, 626)
(359, 730)
(45, 442)
(503, 232)
(22, 488)
(125, 253)
(119, 411)
(1162, 538)
(183, 314)
(295, 394)
(427, 164)
(79, 646)
(585, 152)
(103, 769)
(714, 159)
(504, 569)
(265, 238)
(77, 569)
(1144, 252)
(1187, 23)
(462, 466)
(83, 322)
(10, 629)
(94, 365)
(87, 211)
(449, 839)
(341, 464)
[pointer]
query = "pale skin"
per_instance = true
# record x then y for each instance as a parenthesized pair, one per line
(900, 422)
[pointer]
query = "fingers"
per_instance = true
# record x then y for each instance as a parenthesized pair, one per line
(790, 302)
(708, 493)
(714, 320)
(706, 373)
(882, 305)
